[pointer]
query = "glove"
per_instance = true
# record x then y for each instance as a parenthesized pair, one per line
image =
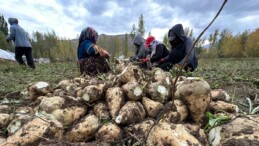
(162, 60)
(7, 40)
(144, 60)
(132, 59)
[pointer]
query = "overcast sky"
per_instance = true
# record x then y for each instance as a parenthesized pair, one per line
(68, 17)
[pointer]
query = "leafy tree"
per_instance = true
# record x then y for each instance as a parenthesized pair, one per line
(126, 46)
(114, 45)
(49, 45)
(3, 43)
(225, 44)
(199, 46)
(243, 42)
(252, 44)
(133, 32)
(51, 39)
(38, 45)
(213, 38)
(219, 46)
(228, 45)
(3, 33)
(149, 34)
(141, 28)
(3, 25)
(188, 32)
(118, 47)
(210, 41)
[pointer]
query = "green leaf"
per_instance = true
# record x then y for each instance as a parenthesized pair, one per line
(250, 105)
(255, 110)
(210, 115)
(213, 122)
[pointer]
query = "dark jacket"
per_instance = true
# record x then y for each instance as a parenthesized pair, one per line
(178, 52)
(161, 52)
(141, 51)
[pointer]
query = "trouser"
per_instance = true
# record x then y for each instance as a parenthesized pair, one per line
(20, 51)
(166, 66)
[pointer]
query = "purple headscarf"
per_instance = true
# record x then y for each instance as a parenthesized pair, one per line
(88, 34)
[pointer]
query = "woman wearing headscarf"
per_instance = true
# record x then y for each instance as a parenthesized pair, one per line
(141, 52)
(92, 58)
(157, 51)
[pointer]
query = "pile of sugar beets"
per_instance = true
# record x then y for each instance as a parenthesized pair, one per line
(128, 107)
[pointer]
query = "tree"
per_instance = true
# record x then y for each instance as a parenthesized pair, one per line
(3, 25)
(3, 33)
(252, 44)
(133, 32)
(243, 42)
(38, 45)
(221, 41)
(141, 28)
(49, 45)
(188, 32)
(213, 38)
(3, 43)
(149, 34)
(228, 42)
(126, 46)
(117, 47)
(199, 45)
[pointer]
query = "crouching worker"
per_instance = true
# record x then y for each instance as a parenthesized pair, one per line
(157, 51)
(92, 58)
(140, 52)
(181, 45)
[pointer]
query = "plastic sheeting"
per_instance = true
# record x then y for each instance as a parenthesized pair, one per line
(7, 55)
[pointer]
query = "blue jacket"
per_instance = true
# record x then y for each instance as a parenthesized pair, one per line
(85, 50)
(18, 35)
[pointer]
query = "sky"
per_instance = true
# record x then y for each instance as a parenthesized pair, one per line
(68, 17)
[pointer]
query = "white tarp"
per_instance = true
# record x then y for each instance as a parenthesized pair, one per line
(7, 55)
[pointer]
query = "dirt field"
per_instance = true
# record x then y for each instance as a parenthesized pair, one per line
(239, 77)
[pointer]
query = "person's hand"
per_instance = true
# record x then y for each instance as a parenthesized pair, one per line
(132, 59)
(162, 60)
(104, 53)
(144, 60)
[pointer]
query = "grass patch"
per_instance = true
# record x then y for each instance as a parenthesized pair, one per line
(14, 77)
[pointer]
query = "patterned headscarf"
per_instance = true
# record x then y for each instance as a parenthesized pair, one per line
(88, 34)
